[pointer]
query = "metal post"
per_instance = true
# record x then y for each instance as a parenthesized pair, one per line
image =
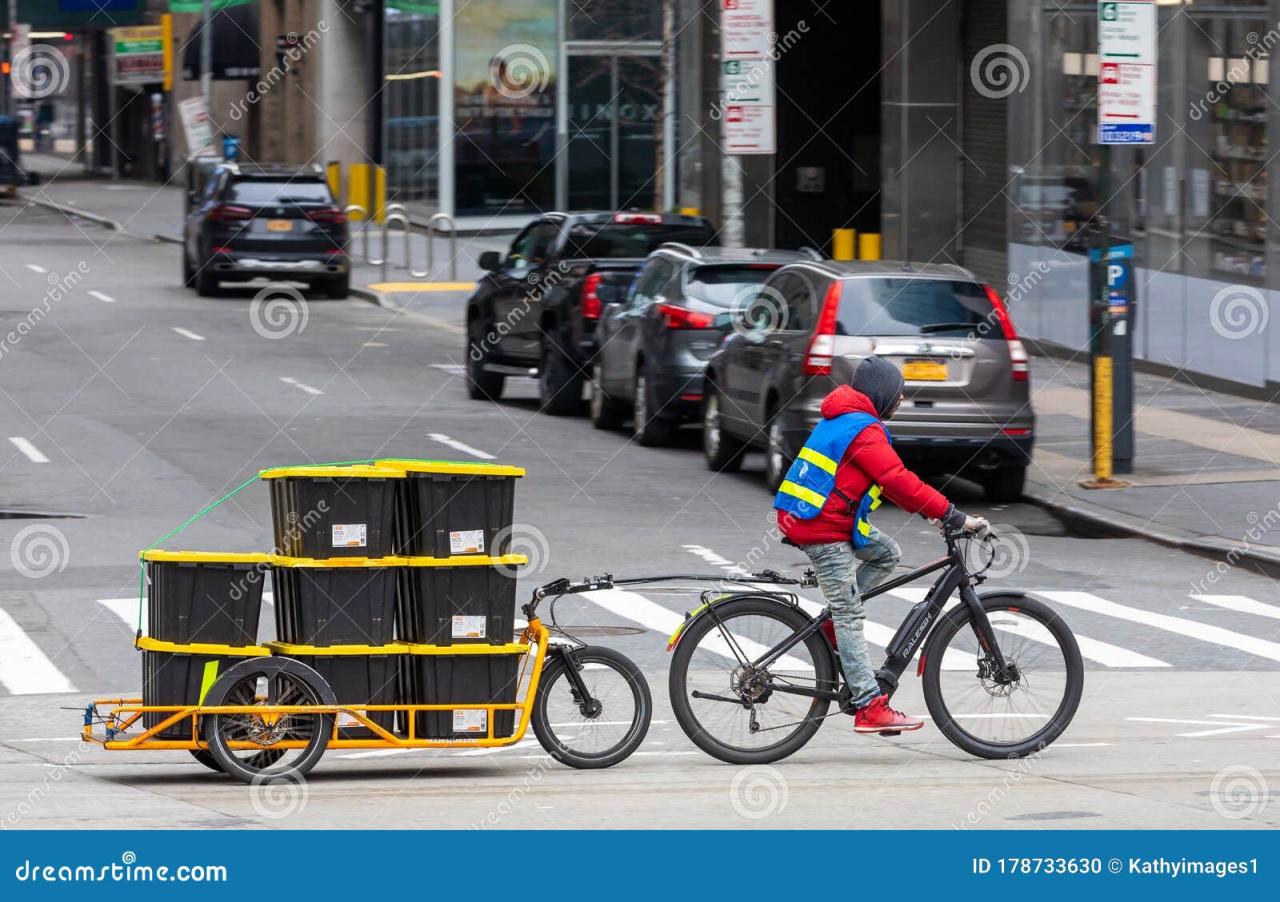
(453, 244)
(386, 235)
(206, 55)
(364, 225)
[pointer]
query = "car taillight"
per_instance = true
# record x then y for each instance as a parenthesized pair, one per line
(329, 215)
(674, 317)
(822, 346)
(591, 303)
(229, 213)
(637, 218)
(1018, 359)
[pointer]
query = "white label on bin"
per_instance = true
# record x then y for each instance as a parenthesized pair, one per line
(469, 627)
(349, 535)
(466, 541)
(470, 720)
(348, 720)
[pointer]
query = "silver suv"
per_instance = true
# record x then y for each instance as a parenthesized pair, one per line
(967, 409)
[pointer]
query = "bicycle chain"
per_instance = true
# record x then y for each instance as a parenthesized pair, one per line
(783, 726)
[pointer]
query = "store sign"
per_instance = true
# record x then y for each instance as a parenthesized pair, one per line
(137, 55)
(1127, 72)
(195, 124)
(746, 77)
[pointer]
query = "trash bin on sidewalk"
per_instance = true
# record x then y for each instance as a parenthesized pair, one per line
(176, 674)
(448, 508)
(208, 597)
(432, 678)
(457, 600)
(338, 601)
(333, 511)
(358, 676)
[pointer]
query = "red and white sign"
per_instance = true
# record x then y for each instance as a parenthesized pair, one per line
(745, 26)
(1127, 71)
(746, 76)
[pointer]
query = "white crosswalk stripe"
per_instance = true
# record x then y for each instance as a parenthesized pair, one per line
(24, 668)
(1242, 603)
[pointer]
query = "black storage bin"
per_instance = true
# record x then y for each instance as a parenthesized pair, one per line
(462, 679)
(204, 597)
(455, 601)
(370, 679)
(335, 602)
(326, 512)
(179, 678)
(445, 508)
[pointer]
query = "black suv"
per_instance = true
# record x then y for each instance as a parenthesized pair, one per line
(253, 222)
(535, 312)
(655, 342)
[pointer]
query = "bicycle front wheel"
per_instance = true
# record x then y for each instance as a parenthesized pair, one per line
(606, 727)
(1010, 714)
(735, 711)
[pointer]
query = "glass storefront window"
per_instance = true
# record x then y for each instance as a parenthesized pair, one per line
(613, 20)
(411, 101)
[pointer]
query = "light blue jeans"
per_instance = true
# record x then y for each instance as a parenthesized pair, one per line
(844, 573)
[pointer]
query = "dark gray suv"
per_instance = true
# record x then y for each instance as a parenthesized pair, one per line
(654, 342)
(967, 409)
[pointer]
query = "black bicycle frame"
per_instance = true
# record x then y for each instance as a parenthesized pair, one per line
(911, 634)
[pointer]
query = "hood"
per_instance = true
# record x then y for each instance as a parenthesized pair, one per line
(846, 399)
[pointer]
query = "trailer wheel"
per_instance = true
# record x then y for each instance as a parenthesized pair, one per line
(262, 759)
(268, 681)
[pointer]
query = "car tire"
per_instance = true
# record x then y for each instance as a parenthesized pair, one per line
(559, 381)
(723, 452)
(207, 283)
(188, 272)
(1005, 485)
(650, 429)
(777, 457)
(481, 385)
(606, 412)
(337, 288)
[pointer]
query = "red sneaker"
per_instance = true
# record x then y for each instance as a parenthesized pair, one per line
(878, 717)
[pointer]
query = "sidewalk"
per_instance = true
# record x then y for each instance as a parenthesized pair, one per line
(147, 210)
(1207, 464)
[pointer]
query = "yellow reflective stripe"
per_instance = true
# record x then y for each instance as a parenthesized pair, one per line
(874, 494)
(210, 677)
(864, 527)
(818, 459)
(802, 493)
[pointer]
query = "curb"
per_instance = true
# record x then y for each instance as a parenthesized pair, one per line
(381, 300)
(1096, 517)
(65, 210)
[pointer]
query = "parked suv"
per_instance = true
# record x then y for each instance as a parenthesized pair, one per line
(655, 341)
(967, 408)
(247, 222)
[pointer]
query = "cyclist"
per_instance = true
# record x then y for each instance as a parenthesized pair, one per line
(822, 507)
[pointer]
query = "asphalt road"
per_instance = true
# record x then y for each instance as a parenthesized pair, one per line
(135, 404)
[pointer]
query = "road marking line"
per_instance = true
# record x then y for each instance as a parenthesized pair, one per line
(289, 380)
(1245, 716)
(105, 298)
(1078, 745)
(1242, 603)
(415, 287)
(37, 268)
(453, 369)
(31, 451)
(1087, 601)
(24, 668)
(459, 446)
(187, 333)
(47, 739)
(1218, 728)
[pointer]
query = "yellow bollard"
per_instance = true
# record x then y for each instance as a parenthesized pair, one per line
(690, 211)
(869, 246)
(379, 192)
(842, 244)
(358, 185)
(333, 175)
(1102, 400)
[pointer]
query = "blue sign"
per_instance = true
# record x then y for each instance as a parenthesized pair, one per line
(1126, 133)
(1119, 274)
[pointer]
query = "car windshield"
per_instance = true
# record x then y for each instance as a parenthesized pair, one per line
(612, 239)
(720, 285)
(911, 307)
(279, 191)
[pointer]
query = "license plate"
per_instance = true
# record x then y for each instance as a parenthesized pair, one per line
(279, 225)
(924, 371)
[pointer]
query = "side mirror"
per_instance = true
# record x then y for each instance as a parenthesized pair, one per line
(490, 261)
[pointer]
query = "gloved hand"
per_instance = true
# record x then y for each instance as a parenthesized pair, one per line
(957, 519)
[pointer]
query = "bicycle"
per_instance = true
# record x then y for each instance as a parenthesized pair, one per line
(751, 662)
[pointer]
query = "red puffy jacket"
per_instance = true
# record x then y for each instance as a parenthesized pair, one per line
(868, 460)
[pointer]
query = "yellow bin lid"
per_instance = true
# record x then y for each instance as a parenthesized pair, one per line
(477, 560)
(449, 467)
(155, 555)
(356, 471)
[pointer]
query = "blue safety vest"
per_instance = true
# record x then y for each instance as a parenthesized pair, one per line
(812, 477)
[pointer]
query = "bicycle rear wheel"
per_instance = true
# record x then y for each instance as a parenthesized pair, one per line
(747, 722)
(1007, 715)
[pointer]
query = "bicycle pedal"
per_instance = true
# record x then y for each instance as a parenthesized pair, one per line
(890, 732)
